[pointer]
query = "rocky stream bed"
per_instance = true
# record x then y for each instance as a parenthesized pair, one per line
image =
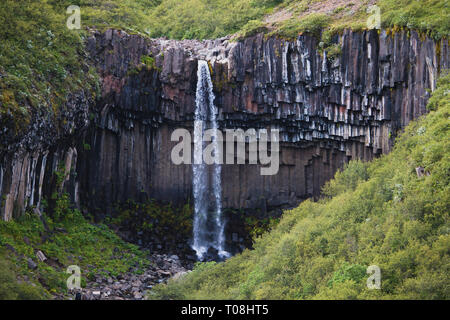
(132, 286)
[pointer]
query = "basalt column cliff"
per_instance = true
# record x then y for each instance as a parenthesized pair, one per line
(328, 111)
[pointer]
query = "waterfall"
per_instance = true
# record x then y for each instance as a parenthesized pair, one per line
(207, 188)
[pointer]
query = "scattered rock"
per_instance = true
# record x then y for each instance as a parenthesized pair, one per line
(26, 241)
(130, 286)
(11, 248)
(31, 264)
(420, 171)
(40, 255)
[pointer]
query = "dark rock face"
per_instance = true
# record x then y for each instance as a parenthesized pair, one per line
(328, 112)
(28, 160)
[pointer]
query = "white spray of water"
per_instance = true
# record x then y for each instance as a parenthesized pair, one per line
(208, 222)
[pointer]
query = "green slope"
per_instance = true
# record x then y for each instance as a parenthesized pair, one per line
(379, 213)
(42, 61)
(67, 238)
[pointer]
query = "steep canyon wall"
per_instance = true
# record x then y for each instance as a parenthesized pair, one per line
(328, 111)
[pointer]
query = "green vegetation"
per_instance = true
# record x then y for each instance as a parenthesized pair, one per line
(380, 213)
(66, 238)
(257, 227)
(39, 61)
(202, 19)
(430, 16)
(162, 220)
(10, 288)
(251, 28)
(148, 61)
(130, 15)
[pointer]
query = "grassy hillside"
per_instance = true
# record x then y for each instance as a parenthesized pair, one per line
(66, 238)
(379, 213)
(200, 19)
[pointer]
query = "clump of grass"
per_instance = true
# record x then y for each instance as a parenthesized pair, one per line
(312, 23)
(430, 16)
(251, 28)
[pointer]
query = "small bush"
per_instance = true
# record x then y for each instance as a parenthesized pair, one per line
(251, 28)
(149, 62)
(346, 272)
(346, 179)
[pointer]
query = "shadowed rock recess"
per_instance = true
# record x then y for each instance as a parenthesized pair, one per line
(328, 111)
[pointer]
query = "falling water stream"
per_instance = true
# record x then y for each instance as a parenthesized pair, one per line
(207, 188)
